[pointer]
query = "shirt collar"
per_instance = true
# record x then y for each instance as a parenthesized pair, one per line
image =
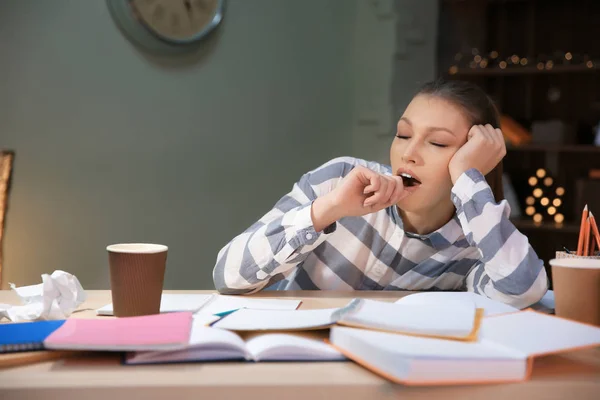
(439, 239)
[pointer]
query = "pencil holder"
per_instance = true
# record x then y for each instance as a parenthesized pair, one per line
(576, 284)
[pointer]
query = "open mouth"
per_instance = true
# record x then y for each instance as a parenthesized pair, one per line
(409, 180)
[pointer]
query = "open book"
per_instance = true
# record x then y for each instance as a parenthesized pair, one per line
(213, 303)
(452, 319)
(212, 344)
(503, 352)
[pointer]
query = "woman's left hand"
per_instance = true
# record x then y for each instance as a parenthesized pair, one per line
(484, 149)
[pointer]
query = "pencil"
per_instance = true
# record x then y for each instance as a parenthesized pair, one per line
(595, 230)
(586, 238)
(584, 216)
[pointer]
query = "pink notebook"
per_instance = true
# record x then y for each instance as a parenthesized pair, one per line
(152, 332)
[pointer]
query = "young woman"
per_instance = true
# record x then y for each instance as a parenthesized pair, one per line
(435, 219)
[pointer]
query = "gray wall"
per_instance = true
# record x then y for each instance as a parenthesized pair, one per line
(113, 146)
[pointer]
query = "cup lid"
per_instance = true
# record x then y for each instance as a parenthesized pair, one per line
(575, 263)
(137, 248)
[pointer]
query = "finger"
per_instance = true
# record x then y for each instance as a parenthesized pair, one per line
(475, 130)
(491, 133)
(399, 193)
(374, 182)
(502, 141)
(390, 189)
(379, 193)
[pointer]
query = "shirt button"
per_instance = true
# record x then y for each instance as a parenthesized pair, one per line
(309, 236)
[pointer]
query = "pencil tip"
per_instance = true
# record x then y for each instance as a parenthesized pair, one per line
(585, 208)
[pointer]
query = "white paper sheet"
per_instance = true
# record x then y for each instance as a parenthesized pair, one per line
(56, 297)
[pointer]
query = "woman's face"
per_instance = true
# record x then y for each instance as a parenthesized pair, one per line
(429, 132)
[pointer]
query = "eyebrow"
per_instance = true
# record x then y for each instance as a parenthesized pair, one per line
(429, 128)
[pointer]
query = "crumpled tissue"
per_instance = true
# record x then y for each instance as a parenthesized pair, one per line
(56, 297)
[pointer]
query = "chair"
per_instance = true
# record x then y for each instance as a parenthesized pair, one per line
(6, 166)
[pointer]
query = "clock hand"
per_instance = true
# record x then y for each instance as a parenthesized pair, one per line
(188, 7)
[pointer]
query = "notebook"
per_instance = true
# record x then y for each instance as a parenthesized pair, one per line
(26, 336)
(212, 303)
(212, 344)
(504, 351)
(452, 319)
(489, 306)
(152, 332)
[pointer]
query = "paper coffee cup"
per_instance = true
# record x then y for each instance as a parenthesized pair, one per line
(137, 272)
(576, 284)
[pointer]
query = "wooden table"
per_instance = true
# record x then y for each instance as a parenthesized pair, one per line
(574, 375)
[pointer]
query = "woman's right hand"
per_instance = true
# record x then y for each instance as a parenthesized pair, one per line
(361, 192)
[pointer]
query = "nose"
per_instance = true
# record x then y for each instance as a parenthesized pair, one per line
(411, 154)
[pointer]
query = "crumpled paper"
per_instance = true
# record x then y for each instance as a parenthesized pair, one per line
(56, 297)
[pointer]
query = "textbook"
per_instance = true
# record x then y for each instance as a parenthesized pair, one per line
(213, 344)
(503, 352)
(452, 319)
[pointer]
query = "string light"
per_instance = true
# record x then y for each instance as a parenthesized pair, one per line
(539, 204)
(559, 218)
(477, 59)
(530, 210)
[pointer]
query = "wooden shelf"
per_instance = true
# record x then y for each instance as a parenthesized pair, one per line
(530, 70)
(529, 225)
(553, 148)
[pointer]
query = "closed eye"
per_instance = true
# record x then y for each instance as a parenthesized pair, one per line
(439, 145)
(402, 137)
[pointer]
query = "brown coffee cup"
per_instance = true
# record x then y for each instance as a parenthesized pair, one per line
(576, 284)
(137, 272)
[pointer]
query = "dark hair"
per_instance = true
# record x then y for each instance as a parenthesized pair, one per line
(478, 107)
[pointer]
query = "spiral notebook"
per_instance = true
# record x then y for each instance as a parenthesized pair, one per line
(26, 336)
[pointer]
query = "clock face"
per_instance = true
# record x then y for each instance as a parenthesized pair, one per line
(178, 21)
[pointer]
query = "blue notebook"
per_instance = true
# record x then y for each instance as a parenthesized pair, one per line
(26, 336)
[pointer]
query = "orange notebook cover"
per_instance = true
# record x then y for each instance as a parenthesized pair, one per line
(152, 332)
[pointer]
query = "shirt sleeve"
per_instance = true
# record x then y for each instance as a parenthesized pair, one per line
(272, 247)
(508, 270)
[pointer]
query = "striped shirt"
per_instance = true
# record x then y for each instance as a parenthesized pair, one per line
(478, 250)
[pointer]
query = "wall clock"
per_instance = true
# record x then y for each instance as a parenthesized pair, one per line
(167, 26)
